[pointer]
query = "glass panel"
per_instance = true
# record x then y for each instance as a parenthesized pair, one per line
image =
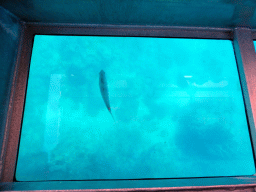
(133, 107)
(254, 42)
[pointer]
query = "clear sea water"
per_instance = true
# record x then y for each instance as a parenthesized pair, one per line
(177, 106)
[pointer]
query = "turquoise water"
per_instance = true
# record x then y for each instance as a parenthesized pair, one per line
(177, 110)
(254, 42)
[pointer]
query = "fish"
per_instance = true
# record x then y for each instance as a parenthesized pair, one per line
(104, 91)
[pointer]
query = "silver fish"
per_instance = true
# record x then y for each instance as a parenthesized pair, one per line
(104, 90)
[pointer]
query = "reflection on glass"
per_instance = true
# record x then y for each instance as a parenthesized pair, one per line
(176, 103)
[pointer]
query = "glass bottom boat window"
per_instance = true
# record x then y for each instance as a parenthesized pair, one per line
(133, 108)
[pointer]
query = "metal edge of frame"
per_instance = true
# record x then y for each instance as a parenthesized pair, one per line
(130, 30)
(10, 106)
(15, 110)
(246, 61)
